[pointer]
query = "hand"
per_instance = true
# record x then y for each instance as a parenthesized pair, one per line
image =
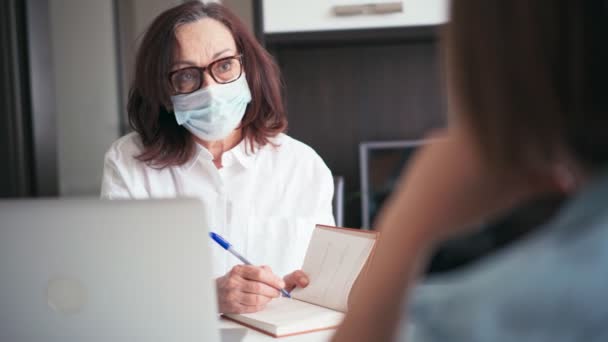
(247, 289)
(296, 279)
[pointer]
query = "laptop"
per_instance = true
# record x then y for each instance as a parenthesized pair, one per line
(95, 270)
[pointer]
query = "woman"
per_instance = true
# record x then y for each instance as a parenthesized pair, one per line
(527, 80)
(206, 107)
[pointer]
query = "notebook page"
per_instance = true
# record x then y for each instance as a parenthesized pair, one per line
(333, 261)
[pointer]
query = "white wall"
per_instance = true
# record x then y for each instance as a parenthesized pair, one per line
(86, 90)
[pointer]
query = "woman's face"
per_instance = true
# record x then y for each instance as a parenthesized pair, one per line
(201, 43)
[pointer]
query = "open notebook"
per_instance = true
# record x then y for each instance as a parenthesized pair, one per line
(334, 259)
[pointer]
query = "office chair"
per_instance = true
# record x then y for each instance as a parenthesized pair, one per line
(338, 200)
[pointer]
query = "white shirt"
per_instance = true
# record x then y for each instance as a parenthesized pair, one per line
(265, 203)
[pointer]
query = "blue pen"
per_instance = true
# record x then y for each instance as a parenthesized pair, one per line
(227, 246)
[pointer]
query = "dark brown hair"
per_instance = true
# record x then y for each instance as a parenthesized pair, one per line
(530, 78)
(149, 107)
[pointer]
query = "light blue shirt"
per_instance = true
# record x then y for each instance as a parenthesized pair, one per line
(551, 286)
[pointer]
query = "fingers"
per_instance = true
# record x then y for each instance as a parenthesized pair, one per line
(301, 278)
(250, 309)
(261, 274)
(250, 299)
(296, 279)
(238, 294)
(255, 287)
(232, 306)
(236, 301)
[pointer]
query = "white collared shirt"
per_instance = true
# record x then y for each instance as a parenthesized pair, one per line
(265, 203)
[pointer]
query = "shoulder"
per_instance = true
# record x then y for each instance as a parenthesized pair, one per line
(511, 283)
(125, 149)
(285, 146)
(290, 152)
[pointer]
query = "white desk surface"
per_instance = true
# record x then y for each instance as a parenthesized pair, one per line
(256, 336)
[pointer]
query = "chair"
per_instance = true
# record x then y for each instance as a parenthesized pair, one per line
(338, 200)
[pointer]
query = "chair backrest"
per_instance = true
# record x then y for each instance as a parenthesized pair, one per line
(338, 201)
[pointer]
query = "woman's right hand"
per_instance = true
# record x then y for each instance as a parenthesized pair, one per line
(247, 289)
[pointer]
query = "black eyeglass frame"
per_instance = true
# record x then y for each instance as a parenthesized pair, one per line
(202, 70)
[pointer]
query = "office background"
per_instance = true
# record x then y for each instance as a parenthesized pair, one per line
(66, 67)
(68, 63)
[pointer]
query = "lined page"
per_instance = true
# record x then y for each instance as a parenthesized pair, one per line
(333, 261)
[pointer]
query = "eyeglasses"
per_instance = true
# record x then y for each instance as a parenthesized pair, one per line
(190, 79)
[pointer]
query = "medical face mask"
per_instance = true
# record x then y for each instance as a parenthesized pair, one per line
(213, 112)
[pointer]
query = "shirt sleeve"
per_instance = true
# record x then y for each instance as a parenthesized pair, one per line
(440, 312)
(113, 184)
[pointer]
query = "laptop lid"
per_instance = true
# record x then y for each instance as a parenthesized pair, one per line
(94, 270)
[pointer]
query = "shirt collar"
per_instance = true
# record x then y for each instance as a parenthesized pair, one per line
(241, 153)
(589, 200)
(238, 153)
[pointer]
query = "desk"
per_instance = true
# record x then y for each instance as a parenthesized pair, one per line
(256, 336)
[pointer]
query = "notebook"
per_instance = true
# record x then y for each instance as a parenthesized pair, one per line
(333, 261)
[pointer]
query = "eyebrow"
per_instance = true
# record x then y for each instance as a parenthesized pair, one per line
(186, 62)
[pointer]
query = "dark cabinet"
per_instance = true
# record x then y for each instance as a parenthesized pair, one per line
(345, 87)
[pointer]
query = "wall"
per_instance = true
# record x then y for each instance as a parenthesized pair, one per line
(132, 19)
(242, 8)
(86, 90)
(341, 94)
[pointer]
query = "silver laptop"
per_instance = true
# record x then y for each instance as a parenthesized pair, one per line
(93, 270)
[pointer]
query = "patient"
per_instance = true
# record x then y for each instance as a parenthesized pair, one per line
(527, 81)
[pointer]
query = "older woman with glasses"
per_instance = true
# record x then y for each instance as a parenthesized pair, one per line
(207, 112)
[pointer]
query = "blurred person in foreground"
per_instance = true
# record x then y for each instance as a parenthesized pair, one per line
(527, 83)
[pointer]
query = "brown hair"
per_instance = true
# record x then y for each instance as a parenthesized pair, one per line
(530, 79)
(149, 106)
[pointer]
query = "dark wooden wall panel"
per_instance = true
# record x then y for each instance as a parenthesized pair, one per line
(339, 95)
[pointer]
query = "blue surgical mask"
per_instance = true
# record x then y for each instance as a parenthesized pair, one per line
(213, 112)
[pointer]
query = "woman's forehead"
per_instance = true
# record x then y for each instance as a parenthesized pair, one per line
(201, 40)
